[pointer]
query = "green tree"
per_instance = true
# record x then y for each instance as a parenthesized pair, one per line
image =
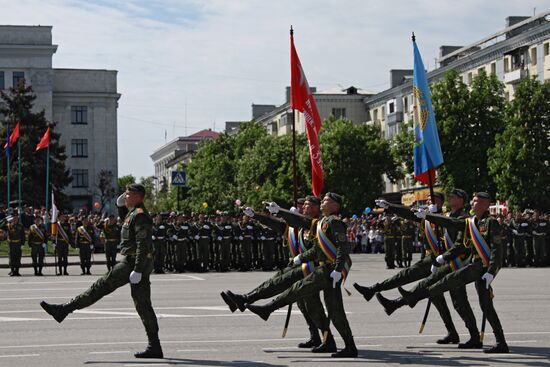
(468, 121)
(125, 181)
(402, 145)
(355, 157)
(520, 159)
(105, 187)
(16, 105)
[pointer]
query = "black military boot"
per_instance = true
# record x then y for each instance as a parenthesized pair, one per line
(501, 347)
(40, 271)
(228, 301)
(412, 298)
(328, 346)
(367, 292)
(153, 350)
(241, 299)
(88, 271)
(65, 271)
(35, 271)
(314, 339)
(451, 338)
(60, 271)
(58, 312)
(263, 311)
(83, 271)
(390, 305)
(349, 351)
(473, 343)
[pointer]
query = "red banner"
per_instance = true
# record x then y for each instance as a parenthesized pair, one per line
(302, 100)
(13, 137)
(44, 142)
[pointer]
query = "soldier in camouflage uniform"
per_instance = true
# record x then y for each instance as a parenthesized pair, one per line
(84, 240)
(111, 233)
(159, 244)
(392, 239)
(332, 251)
(16, 240)
(135, 268)
(38, 237)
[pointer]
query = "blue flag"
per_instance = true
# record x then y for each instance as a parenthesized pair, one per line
(427, 150)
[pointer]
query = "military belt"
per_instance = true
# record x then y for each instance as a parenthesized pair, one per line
(226, 237)
(36, 243)
(14, 241)
(205, 236)
(270, 238)
(111, 240)
(406, 236)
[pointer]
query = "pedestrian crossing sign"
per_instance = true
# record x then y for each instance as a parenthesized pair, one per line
(178, 178)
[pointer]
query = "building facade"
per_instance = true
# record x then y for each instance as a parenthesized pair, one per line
(82, 104)
(520, 50)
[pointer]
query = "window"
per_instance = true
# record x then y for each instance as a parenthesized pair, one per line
(1, 80)
(546, 48)
(534, 56)
(79, 148)
(375, 115)
(406, 103)
(391, 107)
(18, 76)
(506, 65)
(339, 112)
(470, 78)
(80, 177)
(79, 114)
(383, 113)
(493, 68)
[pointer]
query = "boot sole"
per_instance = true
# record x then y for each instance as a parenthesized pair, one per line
(45, 308)
(229, 302)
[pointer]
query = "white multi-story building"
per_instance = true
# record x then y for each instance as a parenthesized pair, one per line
(82, 103)
(518, 51)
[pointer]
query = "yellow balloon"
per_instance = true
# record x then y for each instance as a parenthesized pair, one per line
(205, 205)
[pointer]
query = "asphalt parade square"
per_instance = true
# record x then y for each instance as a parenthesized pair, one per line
(197, 329)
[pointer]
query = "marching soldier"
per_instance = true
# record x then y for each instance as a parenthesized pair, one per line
(159, 244)
(63, 241)
(16, 240)
(111, 233)
(38, 237)
(84, 240)
(135, 268)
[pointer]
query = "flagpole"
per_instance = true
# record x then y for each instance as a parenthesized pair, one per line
(47, 220)
(20, 204)
(8, 158)
(294, 174)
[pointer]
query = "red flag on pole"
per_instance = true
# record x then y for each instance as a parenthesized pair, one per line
(13, 137)
(44, 142)
(302, 100)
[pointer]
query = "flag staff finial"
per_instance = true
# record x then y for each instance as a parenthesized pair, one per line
(291, 31)
(413, 37)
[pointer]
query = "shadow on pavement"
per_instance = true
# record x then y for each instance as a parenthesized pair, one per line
(189, 362)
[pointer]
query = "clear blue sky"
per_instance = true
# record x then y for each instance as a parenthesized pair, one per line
(206, 62)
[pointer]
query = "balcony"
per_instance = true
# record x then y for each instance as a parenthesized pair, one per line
(394, 118)
(513, 77)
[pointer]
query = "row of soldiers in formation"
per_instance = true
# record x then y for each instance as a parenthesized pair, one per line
(460, 248)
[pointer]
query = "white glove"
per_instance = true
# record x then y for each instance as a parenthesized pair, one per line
(174, 237)
(336, 276)
(488, 278)
(440, 259)
(294, 209)
(381, 203)
(432, 208)
(135, 277)
(433, 269)
(43, 245)
(241, 238)
(273, 207)
(120, 200)
(514, 231)
(248, 211)
(91, 247)
(153, 238)
(420, 213)
(297, 260)
(219, 238)
(262, 238)
(197, 237)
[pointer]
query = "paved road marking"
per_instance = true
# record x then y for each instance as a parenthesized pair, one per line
(19, 355)
(7, 319)
(145, 364)
(43, 289)
(112, 352)
(181, 277)
(36, 298)
(197, 350)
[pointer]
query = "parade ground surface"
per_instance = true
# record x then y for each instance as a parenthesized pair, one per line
(197, 329)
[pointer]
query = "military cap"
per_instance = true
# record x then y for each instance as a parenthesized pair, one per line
(460, 193)
(136, 188)
(483, 195)
(301, 200)
(335, 197)
(313, 200)
(439, 195)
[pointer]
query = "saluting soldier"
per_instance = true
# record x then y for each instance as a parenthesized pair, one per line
(135, 268)
(63, 241)
(16, 240)
(84, 240)
(111, 233)
(38, 236)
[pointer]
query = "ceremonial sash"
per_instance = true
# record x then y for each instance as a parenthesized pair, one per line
(431, 238)
(330, 250)
(63, 234)
(457, 262)
(85, 234)
(482, 248)
(301, 241)
(307, 268)
(38, 232)
(294, 250)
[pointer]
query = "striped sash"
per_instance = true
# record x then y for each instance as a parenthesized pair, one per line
(63, 234)
(38, 232)
(330, 250)
(293, 246)
(482, 248)
(307, 268)
(431, 238)
(457, 262)
(301, 241)
(85, 234)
